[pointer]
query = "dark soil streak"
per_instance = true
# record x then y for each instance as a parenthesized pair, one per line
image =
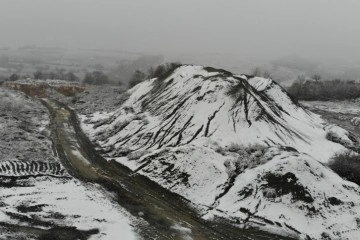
(210, 118)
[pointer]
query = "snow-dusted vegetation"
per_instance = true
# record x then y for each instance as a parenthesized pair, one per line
(23, 125)
(237, 145)
(39, 198)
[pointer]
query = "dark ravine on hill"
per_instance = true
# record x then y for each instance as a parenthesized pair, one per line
(237, 147)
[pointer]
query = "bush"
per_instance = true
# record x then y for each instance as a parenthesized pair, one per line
(14, 77)
(246, 157)
(164, 70)
(347, 166)
(137, 78)
(96, 78)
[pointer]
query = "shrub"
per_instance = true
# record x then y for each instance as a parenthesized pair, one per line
(246, 157)
(163, 71)
(219, 70)
(256, 72)
(14, 77)
(96, 77)
(347, 166)
(137, 78)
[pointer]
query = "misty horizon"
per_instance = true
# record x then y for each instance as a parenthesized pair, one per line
(320, 30)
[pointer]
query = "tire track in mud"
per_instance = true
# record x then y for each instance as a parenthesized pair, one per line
(32, 168)
(161, 209)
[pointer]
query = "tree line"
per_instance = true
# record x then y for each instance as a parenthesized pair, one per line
(98, 77)
(95, 77)
(316, 89)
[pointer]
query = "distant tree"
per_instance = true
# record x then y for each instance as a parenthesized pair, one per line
(99, 67)
(256, 72)
(60, 73)
(137, 78)
(164, 70)
(52, 76)
(70, 76)
(100, 78)
(316, 77)
(151, 72)
(88, 79)
(96, 77)
(38, 75)
(14, 77)
(266, 74)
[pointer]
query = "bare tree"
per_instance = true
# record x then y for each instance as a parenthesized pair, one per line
(316, 77)
(256, 72)
(301, 79)
(266, 74)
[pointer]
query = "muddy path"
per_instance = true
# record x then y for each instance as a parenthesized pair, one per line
(168, 215)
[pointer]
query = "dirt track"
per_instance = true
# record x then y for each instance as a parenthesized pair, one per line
(142, 198)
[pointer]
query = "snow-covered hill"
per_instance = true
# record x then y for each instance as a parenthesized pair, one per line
(237, 145)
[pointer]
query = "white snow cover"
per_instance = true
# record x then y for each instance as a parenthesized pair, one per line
(272, 118)
(26, 155)
(334, 209)
(82, 206)
(180, 132)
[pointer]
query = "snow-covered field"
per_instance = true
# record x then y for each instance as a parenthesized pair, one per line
(225, 142)
(36, 191)
(46, 202)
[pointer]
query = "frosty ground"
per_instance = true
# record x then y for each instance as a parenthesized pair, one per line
(36, 194)
(222, 151)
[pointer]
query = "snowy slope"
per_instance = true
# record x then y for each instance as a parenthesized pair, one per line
(203, 133)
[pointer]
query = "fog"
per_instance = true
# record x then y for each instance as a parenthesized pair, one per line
(321, 29)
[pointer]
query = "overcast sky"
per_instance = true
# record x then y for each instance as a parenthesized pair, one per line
(316, 28)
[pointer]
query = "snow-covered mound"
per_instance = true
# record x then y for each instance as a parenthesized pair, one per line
(226, 141)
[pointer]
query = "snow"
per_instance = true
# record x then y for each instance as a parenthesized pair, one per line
(25, 145)
(182, 128)
(320, 182)
(186, 232)
(83, 206)
(291, 125)
(80, 156)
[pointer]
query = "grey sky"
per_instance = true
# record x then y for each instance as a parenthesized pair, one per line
(266, 28)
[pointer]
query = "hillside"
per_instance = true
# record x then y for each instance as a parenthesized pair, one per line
(236, 145)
